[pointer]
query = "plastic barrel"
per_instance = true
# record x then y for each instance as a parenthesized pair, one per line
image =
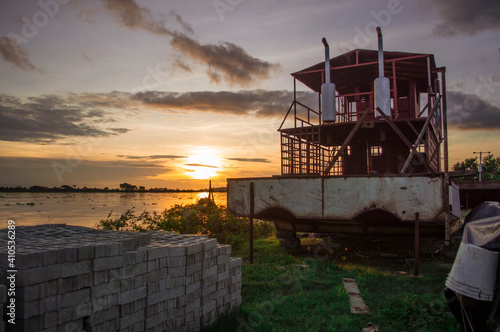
(474, 272)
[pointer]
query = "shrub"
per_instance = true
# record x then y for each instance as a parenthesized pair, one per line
(202, 217)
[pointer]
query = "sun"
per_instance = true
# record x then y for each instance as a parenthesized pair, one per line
(203, 164)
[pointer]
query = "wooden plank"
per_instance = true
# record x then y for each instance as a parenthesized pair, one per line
(356, 302)
(346, 142)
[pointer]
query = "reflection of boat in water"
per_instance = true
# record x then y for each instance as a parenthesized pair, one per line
(373, 160)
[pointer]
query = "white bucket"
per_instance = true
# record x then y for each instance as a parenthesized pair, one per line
(474, 272)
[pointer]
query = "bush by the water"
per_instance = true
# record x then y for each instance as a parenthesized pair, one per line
(202, 217)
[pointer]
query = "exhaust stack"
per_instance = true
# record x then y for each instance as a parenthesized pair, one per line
(382, 84)
(328, 110)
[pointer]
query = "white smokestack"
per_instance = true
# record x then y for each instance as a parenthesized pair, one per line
(382, 84)
(328, 90)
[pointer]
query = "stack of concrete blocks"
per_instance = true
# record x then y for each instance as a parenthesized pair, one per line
(73, 278)
(3, 302)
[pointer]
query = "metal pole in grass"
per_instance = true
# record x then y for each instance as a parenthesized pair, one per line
(252, 203)
(417, 243)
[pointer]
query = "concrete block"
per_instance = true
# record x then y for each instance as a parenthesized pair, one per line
(153, 265)
(221, 259)
(156, 275)
(75, 268)
(107, 263)
(151, 322)
(85, 253)
(209, 244)
(209, 272)
(49, 288)
(102, 316)
(235, 262)
(50, 303)
(194, 258)
(192, 268)
(192, 287)
(156, 297)
(176, 251)
(100, 277)
(23, 294)
(176, 271)
(38, 275)
(195, 248)
(133, 295)
(75, 298)
(108, 250)
(50, 319)
(66, 315)
(176, 292)
(236, 278)
(176, 261)
(25, 261)
(134, 270)
(27, 310)
(158, 252)
(133, 318)
(53, 256)
(223, 276)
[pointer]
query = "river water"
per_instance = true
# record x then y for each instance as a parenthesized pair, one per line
(86, 209)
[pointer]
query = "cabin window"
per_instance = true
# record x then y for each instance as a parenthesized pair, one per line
(376, 150)
(421, 148)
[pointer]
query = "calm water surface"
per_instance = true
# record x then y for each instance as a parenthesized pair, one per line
(86, 209)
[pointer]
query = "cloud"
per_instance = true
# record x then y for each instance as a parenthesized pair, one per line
(154, 157)
(50, 118)
(466, 17)
(132, 16)
(225, 62)
(251, 160)
(58, 118)
(27, 171)
(468, 111)
(187, 27)
(11, 52)
(245, 102)
(200, 165)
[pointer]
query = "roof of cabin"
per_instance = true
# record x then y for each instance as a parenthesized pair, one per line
(359, 67)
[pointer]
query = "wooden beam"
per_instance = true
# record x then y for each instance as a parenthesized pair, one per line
(421, 135)
(406, 141)
(346, 142)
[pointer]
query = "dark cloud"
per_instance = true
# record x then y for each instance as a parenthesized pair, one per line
(50, 118)
(186, 26)
(132, 16)
(27, 171)
(466, 17)
(12, 53)
(246, 102)
(57, 118)
(225, 62)
(467, 111)
(154, 157)
(251, 160)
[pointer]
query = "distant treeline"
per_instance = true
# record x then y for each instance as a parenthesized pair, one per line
(66, 188)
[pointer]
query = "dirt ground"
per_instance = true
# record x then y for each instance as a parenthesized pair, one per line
(393, 254)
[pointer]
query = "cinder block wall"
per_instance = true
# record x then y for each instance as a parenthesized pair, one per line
(72, 278)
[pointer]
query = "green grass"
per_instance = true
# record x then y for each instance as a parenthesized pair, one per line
(283, 292)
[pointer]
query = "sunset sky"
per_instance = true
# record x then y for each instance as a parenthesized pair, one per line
(169, 93)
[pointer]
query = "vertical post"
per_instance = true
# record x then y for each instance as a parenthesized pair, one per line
(446, 189)
(417, 244)
(252, 205)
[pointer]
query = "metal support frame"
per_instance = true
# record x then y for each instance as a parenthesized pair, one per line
(407, 142)
(421, 135)
(346, 142)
